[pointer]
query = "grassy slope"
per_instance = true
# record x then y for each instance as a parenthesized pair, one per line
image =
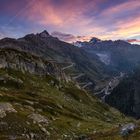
(70, 111)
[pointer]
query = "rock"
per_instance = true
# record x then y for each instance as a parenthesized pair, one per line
(37, 118)
(65, 136)
(29, 108)
(27, 136)
(6, 78)
(79, 124)
(28, 62)
(28, 123)
(127, 129)
(43, 129)
(108, 120)
(94, 132)
(6, 107)
(4, 89)
(29, 102)
(44, 34)
(2, 114)
(32, 136)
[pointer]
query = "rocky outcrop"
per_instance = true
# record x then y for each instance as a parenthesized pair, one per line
(37, 118)
(6, 108)
(27, 62)
(127, 129)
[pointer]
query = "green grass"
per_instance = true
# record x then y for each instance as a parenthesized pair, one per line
(70, 111)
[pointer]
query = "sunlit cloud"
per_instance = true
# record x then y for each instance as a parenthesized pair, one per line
(69, 37)
(64, 36)
(133, 41)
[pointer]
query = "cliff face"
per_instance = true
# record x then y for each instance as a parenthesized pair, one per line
(26, 62)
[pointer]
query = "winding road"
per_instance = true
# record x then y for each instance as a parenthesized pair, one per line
(67, 67)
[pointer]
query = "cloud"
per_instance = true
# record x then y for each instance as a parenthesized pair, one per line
(133, 41)
(104, 19)
(75, 17)
(126, 29)
(69, 37)
(121, 9)
(64, 37)
(71, 16)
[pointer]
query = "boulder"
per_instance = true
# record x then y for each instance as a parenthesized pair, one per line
(37, 118)
(6, 107)
(127, 129)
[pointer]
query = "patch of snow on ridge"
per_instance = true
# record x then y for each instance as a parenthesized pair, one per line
(78, 44)
(105, 58)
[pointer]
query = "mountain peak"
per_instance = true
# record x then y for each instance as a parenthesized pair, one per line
(94, 40)
(44, 34)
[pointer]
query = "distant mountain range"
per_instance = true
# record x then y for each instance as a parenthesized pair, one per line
(118, 55)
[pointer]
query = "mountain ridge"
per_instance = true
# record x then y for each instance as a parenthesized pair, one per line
(53, 49)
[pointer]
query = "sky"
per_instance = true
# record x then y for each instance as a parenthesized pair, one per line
(72, 20)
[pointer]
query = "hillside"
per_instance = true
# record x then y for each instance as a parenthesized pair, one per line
(37, 106)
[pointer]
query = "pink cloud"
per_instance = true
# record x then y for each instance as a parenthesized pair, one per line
(68, 17)
(48, 13)
(121, 9)
(82, 17)
(133, 41)
(69, 37)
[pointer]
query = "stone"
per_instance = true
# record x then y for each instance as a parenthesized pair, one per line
(127, 129)
(43, 129)
(6, 107)
(29, 102)
(29, 108)
(37, 118)
(32, 135)
(79, 124)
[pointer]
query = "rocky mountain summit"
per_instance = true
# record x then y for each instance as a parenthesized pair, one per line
(26, 62)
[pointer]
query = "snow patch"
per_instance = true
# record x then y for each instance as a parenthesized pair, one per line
(105, 58)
